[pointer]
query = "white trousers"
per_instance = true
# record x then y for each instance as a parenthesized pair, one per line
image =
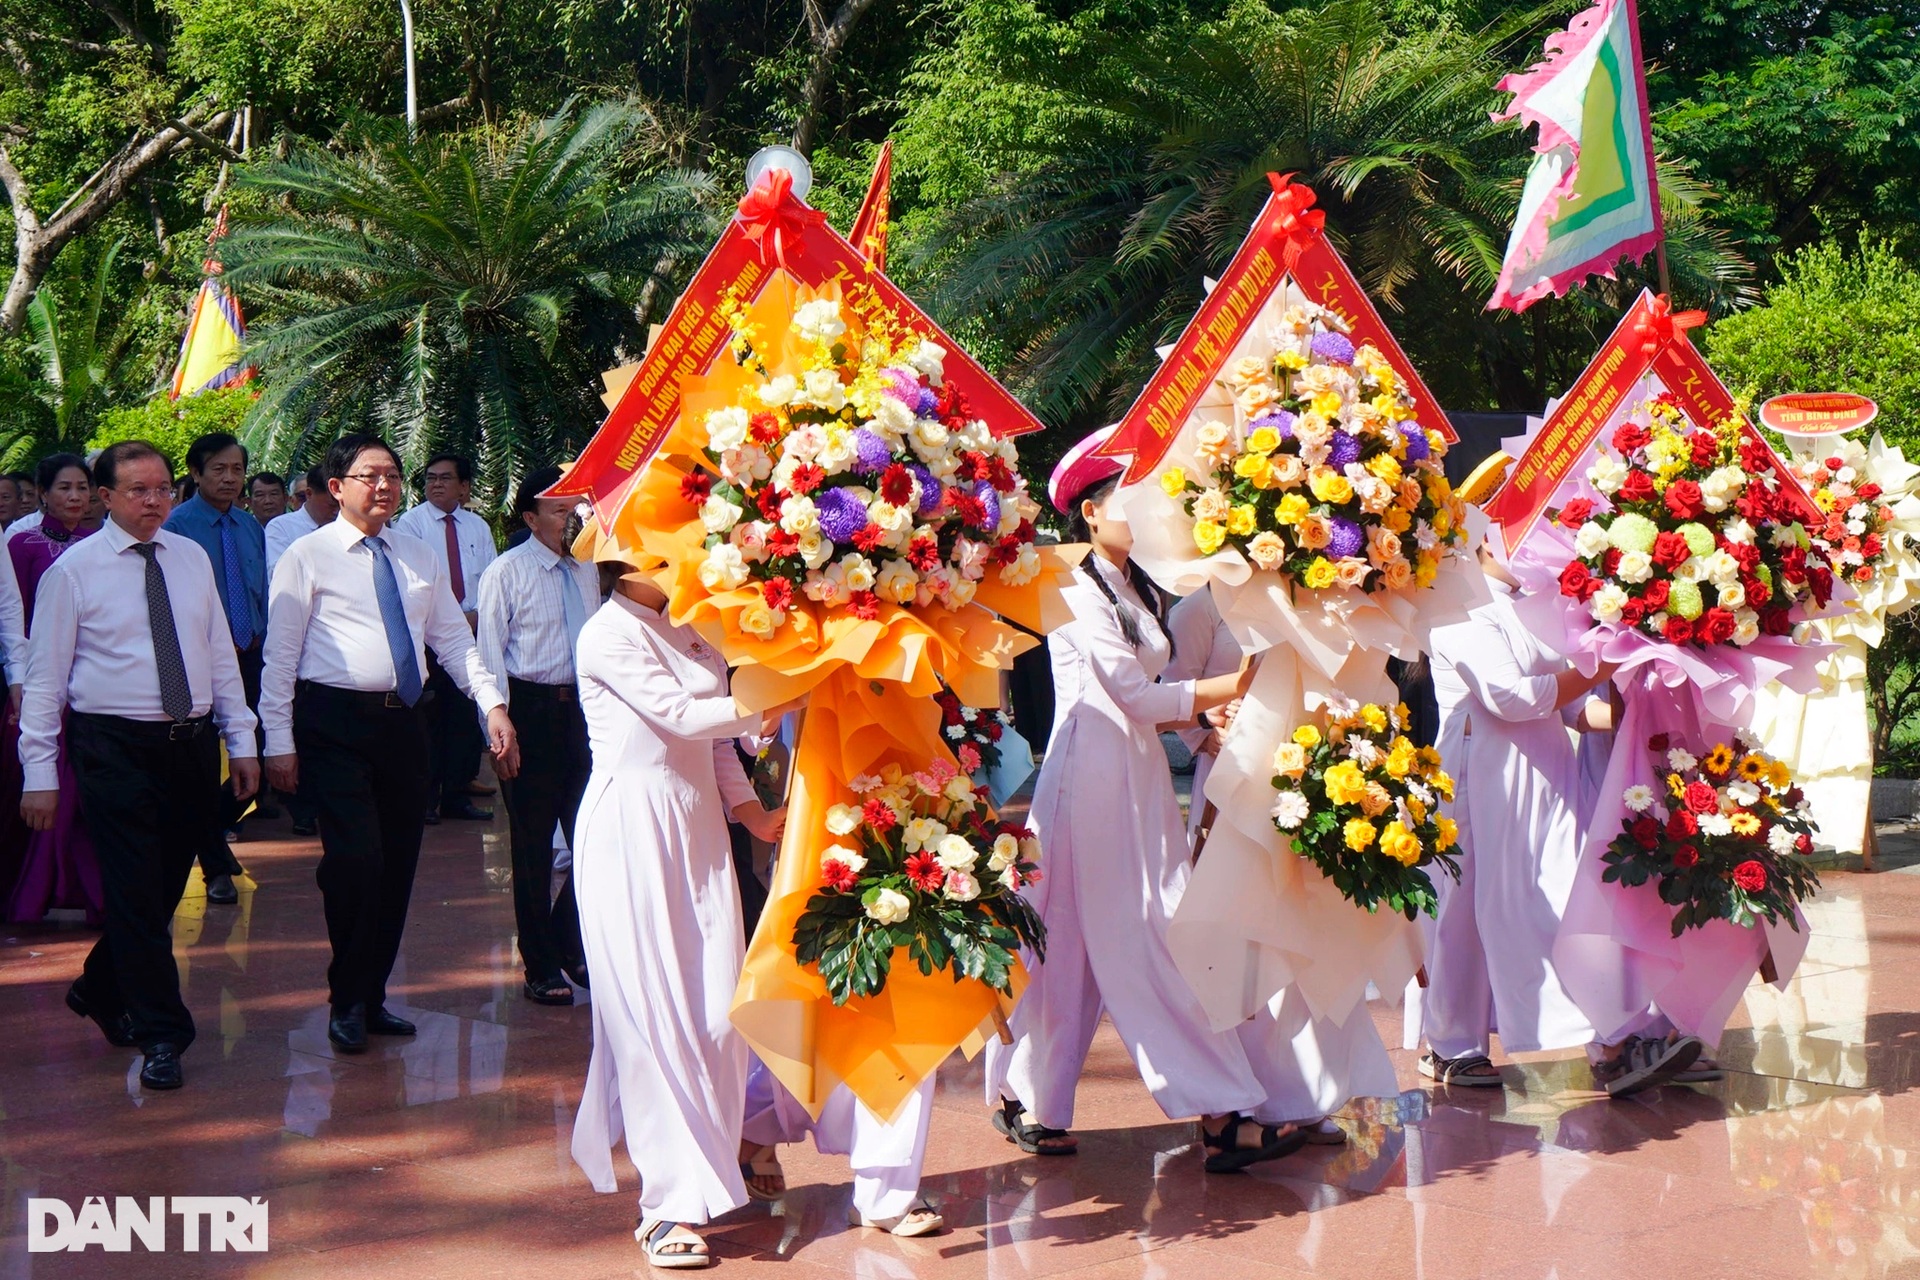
(886, 1156)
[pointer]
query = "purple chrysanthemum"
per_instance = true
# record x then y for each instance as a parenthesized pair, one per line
(841, 515)
(990, 504)
(1342, 449)
(928, 403)
(1280, 420)
(1344, 538)
(1416, 438)
(1335, 348)
(871, 453)
(930, 495)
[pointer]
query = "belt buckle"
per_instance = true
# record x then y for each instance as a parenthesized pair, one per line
(564, 693)
(394, 701)
(182, 730)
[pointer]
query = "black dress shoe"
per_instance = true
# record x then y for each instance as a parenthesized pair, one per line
(479, 789)
(433, 818)
(382, 1023)
(266, 811)
(117, 1029)
(306, 828)
(220, 891)
(161, 1070)
(467, 810)
(347, 1029)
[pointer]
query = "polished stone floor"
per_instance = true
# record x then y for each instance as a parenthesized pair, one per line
(447, 1155)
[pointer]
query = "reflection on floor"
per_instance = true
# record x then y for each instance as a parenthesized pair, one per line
(447, 1155)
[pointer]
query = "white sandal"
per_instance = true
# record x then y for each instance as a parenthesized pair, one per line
(921, 1220)
(1465, 1071)
(654, 1242)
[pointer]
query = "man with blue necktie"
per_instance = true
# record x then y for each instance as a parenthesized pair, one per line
(353, 607)
(533, 601)
(237, 546)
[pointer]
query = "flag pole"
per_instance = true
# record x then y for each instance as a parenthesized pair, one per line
(1653, 168)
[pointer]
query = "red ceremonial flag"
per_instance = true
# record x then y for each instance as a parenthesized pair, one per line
(869, 234)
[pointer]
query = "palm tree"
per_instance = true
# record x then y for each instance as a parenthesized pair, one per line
(1092, 252)
(459, 292)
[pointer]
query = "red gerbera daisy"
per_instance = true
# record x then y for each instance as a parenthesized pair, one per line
(925, 873)
(879, 815)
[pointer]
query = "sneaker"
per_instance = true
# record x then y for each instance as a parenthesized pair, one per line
(1645, 1064)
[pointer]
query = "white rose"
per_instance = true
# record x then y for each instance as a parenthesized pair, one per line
(724, 568)
(895, 522)
(1607, 473)
(727, 428)
(1023, 570)
(954, 853)
(780, 391)
(1006, 851)
(843, 819)
(814, 549)
(718, 514)
(1591, 541)
(1694, 570)
(751, 539)
(824, 388)
(962, 887)
(1737, 531)
(896, 582)
(892, 419)
(818, 321)
(970, 558)
(889, 906)
(975, 436)
(928, 438)
(961, 593)
(1722, 569)
(1746, 626)
(855, 861)
(858, 573)
(836, 455)
(748, 462)
(1732, 596)
(1635, 566)
(921, 833)
(959, 789)
(929, 361)
(804, 443)
(798, 515)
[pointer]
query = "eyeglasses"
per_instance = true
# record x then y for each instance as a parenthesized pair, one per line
(376, 479)
(142, 493)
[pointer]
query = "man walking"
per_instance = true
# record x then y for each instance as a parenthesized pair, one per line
(131, 640)
(533, 601)
(317, 509)
(352, 609)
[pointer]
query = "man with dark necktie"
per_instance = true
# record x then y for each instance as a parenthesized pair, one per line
(131, 639)
(237, 546)
(353, 607)
(533, 601)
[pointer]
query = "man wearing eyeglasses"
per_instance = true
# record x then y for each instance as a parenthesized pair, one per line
(351, 611)
(463, 544)
(131, 640)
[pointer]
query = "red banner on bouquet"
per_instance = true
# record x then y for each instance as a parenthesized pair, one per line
(774, 231)
(1650, 339)
(1287, 239)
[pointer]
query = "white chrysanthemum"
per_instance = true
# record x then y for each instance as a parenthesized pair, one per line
(727, 428)
(1290, 810)
(818, 321)
(1679, 759)
(1716, 824)
(1638, 798)
(1780, 840)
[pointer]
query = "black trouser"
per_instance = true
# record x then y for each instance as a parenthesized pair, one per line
(151, 795)
(217, 859)
(363, 765)
(457, 742)
(554, 764)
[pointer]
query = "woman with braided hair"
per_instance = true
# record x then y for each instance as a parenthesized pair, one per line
(1116, 857)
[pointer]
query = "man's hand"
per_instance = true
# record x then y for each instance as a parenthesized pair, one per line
(245, 777)
(37, 808)
(15, 694)
(284, 772)
(764, 824)
(503, 742)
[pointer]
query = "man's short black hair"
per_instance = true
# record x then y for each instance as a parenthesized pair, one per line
(317, 476)
(203, 449)
(342, 453)
(107, 466)
(271, 477)
(462, 466)
(526, 498)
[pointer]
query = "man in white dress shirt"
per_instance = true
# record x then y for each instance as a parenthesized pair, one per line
(317, 511)
(533, 601)
(351, 610)
(463, 544)
(131, 641)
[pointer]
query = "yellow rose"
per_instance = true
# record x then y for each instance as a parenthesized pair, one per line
(1290, 759)
(1345, 783)
(1209, 536)
(1443, 784)
(1442, 522)
(1285, 470)
(1307, 736)
(1397, 574)
(1400, 844)
(1374, 717)
(1173, 481)
(1418, 810)
(1327, 404)
(758, 620)
(1359, 833)
(1321, 573)
(1376, 801)
(1263, 441)
(1429, 759)
(1292, 510)
(1289, 360)
(1449, 832)
(1388, 407)
(1399, 761)
(1250, 466)
(1437, 488)
(1329, 485)
(1397, 520)
(1242, 521)
(1383, 466)
(1383, 374)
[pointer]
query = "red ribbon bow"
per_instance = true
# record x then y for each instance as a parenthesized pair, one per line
(770, 213)
(1294, 215)
(1662, 324)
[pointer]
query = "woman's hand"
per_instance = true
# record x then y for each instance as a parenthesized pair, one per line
(763, 824)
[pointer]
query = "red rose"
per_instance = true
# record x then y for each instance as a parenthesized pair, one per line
(1868, 492)
(1702, 798)
(1646, 831)
(1803, 843)
(1686, 856)
(1795, 797)
(1629, 437)
(1670, 550)
(1659, 742)
(1870, 545)
(994, 731)
(1638, 487)
(1655, 595)
(1706, 447)
(1576, 513)
(837, 875)
(1681, 824)
(1775, 622)
(1822, 587)
(696, 487)
(1610, 562)
(1678, 630)
(1716, 625)
(1750, 876)
(1574, 579)
(879, 815)
(1835, 463)
(1758, 592)
(1683, 499)
(1633, 612)
(950, 712)
(777, 592)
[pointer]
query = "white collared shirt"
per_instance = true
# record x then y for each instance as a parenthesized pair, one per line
(31, 520)
(324, 624)
(13, 620)
(92, 645)
(523, 613)
(475, 536)
(283, 531)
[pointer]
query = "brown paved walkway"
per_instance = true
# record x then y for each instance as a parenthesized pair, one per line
(447, 1156)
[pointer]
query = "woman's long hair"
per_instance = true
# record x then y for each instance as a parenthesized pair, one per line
(1143, 585)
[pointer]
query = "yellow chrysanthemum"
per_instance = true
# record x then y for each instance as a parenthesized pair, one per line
(1263, 441)
(1292, 509)
(1400, 844)
(1345, 783)
(1359, 833)
(1209, 536)
(1321, 574)
(1307, 736)
(1437, 488)
(1172, 481)
(1243, 520)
